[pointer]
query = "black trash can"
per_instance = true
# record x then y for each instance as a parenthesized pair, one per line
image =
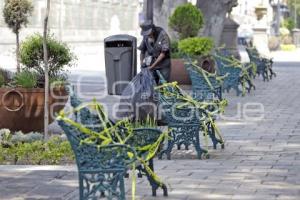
(120, 62)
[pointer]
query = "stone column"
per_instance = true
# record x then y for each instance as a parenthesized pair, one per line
(296, 37)
(229, 36)
(260, 36)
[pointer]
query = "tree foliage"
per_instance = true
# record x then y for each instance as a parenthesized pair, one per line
(187, 20)
(59, 55)
(289, 23)
(16, 13)
(294, 5)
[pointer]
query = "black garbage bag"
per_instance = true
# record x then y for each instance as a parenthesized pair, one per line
(138, 100)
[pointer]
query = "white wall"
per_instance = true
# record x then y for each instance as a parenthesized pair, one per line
(81, 24)
(244, 13)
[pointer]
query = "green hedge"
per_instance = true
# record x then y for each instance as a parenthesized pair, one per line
(196, 46)
(31, 149)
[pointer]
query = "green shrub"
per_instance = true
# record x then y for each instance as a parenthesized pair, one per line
(53, 152)
(2, 80)
(175, 53)
(59, 56)
(4, 77)
(4, 132)
(286, 39)
(174, 46)
(274, 43)
(288, 47)
(149, 122)
(196, 46)
(20, 148)
(187, 20)
(60, 81)
(289, 23)
(5, 135)
(284, 31)
(58, 150)
(20, 137)
(26, 79)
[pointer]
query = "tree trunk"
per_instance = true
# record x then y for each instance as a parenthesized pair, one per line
(214, 12)
(162, 9)
(145, 8)
(45, 49)
(18, 51)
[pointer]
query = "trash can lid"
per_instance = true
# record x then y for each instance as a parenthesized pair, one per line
(120, 37)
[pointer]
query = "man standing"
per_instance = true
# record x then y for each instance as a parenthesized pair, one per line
(156, 48)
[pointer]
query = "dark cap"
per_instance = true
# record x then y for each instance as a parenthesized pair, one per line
(147, 28)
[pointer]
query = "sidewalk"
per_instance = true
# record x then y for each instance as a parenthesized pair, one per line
(286, 56)
(261, 160)
(90, 57)
(278, 56)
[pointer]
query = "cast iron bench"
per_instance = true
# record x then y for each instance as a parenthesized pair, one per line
(95, 180)
(233, 74)
(264, 65)
(205, 88)
(184, 124)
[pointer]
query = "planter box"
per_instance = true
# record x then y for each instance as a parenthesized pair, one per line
(179, 72)
(23, 109)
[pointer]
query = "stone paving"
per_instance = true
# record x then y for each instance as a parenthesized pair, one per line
(261, 159)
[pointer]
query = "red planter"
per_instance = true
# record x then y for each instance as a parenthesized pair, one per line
(23, 109)
(179, 72)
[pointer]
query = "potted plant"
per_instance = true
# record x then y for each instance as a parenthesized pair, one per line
(186, 20)
(16, 14)
(260, 11)
(22, 96)
(178, 72)
(199, 48)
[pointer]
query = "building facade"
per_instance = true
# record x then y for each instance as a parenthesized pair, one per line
(82, 20)
(244, 14)
(81, 23)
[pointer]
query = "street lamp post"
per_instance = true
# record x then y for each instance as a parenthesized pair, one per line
(149, 11)
(295, 13)
(276, 5)
(278, 18)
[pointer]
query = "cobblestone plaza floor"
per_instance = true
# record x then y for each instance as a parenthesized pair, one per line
(261, 159)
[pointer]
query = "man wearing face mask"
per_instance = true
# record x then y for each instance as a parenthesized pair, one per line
(155, 49)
